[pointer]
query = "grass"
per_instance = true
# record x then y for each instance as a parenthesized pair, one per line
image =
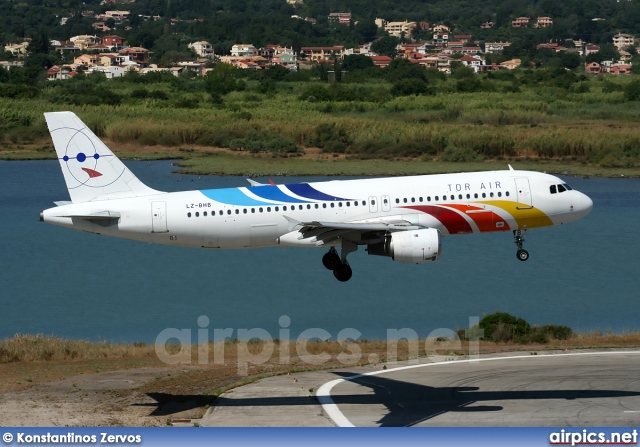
(542, 127)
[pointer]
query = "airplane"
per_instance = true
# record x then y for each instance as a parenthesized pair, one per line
(403, 218)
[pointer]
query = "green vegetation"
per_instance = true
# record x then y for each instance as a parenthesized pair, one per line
(547, 119)
(502, 327)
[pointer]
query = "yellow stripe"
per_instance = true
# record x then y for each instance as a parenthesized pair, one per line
(526, 218)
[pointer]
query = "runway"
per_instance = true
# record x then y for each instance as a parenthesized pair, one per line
(569, 389)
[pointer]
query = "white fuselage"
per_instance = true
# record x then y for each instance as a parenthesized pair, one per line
(260, 216)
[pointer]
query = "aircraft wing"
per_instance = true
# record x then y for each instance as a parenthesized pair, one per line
(326, 232)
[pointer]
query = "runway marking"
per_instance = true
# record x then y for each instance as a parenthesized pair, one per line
(324, 392)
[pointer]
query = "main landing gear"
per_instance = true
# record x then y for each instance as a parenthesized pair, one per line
(339, 265)
(521, 254)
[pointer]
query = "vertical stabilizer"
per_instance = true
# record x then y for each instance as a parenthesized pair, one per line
(92, 172)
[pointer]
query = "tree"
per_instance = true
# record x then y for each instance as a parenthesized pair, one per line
(354, 62)
(385, 46)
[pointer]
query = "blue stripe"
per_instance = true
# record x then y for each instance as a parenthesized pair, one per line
(308, 192)
(273, 193)
(232, 196)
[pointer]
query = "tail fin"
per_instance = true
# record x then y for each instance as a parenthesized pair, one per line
(92, 172)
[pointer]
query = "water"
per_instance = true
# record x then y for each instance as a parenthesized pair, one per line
(68, 283)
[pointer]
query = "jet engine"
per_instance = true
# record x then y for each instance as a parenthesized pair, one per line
(415, 246)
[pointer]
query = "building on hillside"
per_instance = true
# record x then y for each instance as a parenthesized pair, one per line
(381, 61)
(520, 22)
(17, 49)
(495, 47)
(83, 41)
(441, 29)
(339, 18)
(511, 64)
(109, 72)
(543, 22)
(487, 25)
(593, 68)
(397, 29)
(113, 42)
(317, 54)
(203, 49)
(243, 50)
(622, 41)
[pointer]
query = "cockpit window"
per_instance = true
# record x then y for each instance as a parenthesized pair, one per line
(553, 189)
(567, 186)
(561, 188)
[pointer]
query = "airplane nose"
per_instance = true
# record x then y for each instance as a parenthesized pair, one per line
(586, 204)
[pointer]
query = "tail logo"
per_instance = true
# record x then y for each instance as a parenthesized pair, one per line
(91, 172)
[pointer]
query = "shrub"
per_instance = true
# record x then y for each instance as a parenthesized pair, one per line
(459, 154)
(330, 138)
(502, 326)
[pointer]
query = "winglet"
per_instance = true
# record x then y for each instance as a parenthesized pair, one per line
(254, 183)
(510, 168)
(293, 224)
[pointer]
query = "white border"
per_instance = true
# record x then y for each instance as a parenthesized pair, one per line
(329, 406)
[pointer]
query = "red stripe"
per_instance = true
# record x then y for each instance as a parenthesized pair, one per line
(452, 221)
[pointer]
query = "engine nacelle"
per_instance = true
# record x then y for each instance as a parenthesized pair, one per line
(415, 246)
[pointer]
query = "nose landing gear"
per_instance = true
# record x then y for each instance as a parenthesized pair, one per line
(521, 254)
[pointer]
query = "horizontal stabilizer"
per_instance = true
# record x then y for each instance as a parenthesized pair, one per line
(99, 215)
(62, 203)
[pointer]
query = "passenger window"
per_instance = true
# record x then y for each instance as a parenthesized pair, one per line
(340, 204)
(460, 196)
(561, 188)
(404, 200)
(413, 200)
(420, 199)
(333, 204)
(355, 203)
(308, 206)
(317, 206)
(197, 214)
(506, 193)
(204, 214)
(244, 211)
(237, 211)
(484, 195)
(253, 210)
(228, 211)
(373, 202)
(386, 201)
(475, 195)
(277, 209)
(553, 189)
(348, 204)
(188, 214)
(429, 199)
(490, 194)
(453, 197)
(397, 200)
(364, 203)
(324, 205)
(436, 198)
(499, 194)
(468, 196)
(300, 207)
(268, 209)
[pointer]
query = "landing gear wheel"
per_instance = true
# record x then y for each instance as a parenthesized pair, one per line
(343, 272)
(522, 255)
(518, 236)
(331, 260)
